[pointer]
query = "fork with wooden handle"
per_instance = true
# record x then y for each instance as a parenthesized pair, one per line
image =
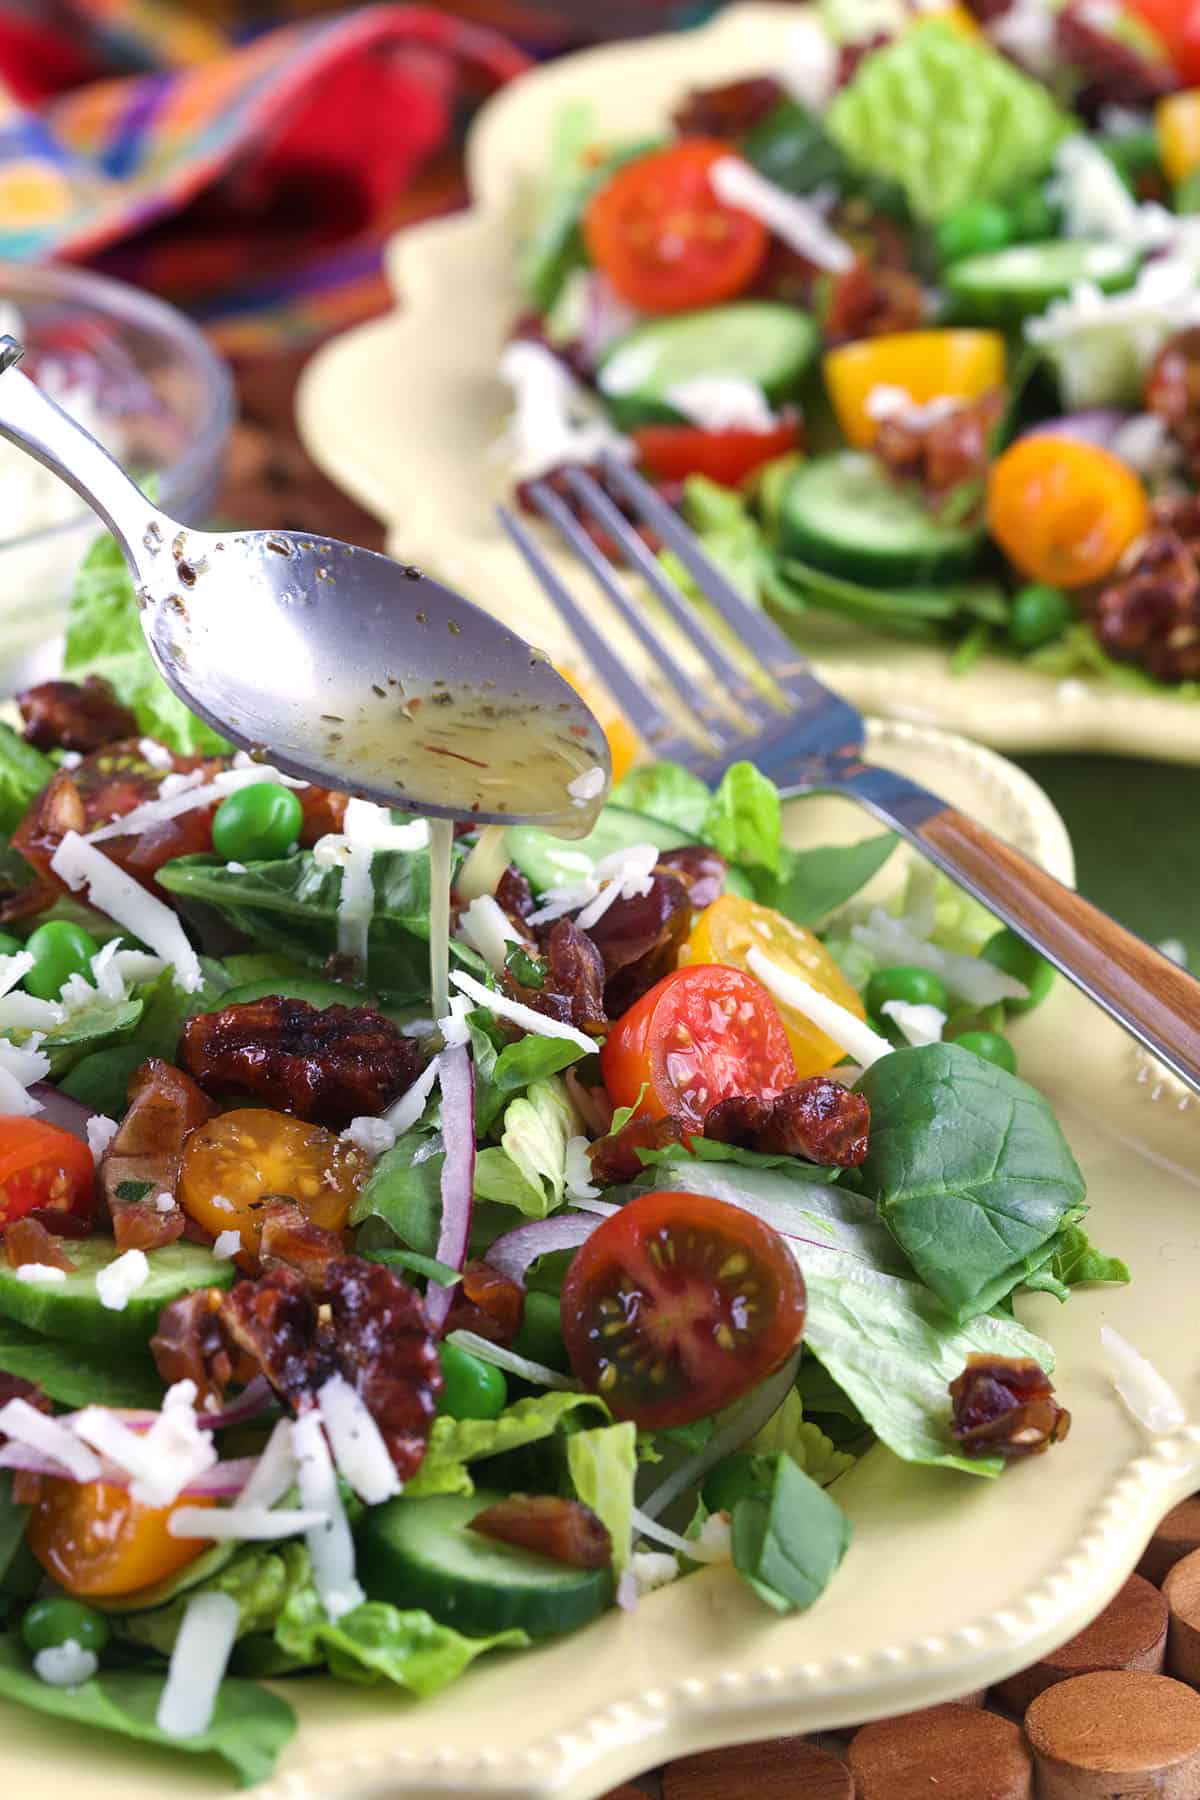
(809, 740)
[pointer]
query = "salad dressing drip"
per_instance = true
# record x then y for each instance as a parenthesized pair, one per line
(441, 844)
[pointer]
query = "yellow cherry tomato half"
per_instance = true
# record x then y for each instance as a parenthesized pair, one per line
(235, 1162)
(94, 1540)
(1177, 122)
(731, 927)
(926, 365)
(624, 745)
(1064, 512)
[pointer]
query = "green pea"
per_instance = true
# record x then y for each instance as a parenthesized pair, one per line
(917, 987)
(258, 823)
(991, 1047)
(1033, 217)
(972, 229)
(1011, 953)
(732, 1480)
(473, 1389)
(540, 1337)
(10, 945)
(59, 950)
(1038, 614)
(51, 1622)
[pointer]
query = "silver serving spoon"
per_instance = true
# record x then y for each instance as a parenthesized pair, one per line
(349, 669)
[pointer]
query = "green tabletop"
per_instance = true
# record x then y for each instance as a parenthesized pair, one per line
(1134, 826)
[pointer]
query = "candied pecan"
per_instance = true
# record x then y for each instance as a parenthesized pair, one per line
(1179, 513)
(728, 110)
(615, 1158)
(359, 1320)
(68, 715)
(487, 1303)
(1173, 394)
(1151, 614)
(1005, 1406)
(867, 301)
(329, 1064)
(566, 1530)
(290, 1238)
(142, 1161)
(27, 1241)
(108, 784)
(818, 1119)
(573, 988)
(1113, 71)
(701, 870)
(514, 896)
(943, 453)
(639, 940)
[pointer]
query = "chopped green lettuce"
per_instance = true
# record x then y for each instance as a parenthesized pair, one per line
(24, 772)
(453, 1443)
(528, 1169)
(744, 820)
(807, 1445)
(666, 791)
(788, 1540)
(258, 1577)
(602, 1464)
(379, 1642)
(1074, 1260)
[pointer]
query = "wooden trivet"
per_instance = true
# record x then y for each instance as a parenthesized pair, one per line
(1131, 1633)
(951, 1752)
(1116, 1734)
(1177, 1536)
(1181, 1590)
(781, 1769)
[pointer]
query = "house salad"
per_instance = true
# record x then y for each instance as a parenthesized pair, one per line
(342, 1330)
(909, 326)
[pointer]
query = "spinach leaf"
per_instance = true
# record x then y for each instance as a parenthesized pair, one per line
(260, 1579)
(788, 1540)
(970, 1169)
(811, 884)
(13, 1518)
(744, 818)
(711, 1150)
(24, 772)
(666, 791)
(104, 637)
(790, 148)
(377, 1641)
(99, 1078)
(1074, 1259)
(249, 1727)
(116, 1379)
(503, 1070)
(96, 1026)
(404, 1190)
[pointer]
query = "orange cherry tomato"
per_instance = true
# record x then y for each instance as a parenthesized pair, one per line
(926, 365)
(624, 745)
(665, 241)
(677, 1305)
(94, 1540)
(234, 1162)
(672, 452)
(731, 927)
(699, 1036)
(1064, 512)
(43, 1168)
(1177, 122)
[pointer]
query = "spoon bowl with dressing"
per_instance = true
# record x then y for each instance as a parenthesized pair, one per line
(353, 671)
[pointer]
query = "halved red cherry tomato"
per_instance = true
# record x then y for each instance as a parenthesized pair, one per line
(672, 452)
(1177, 24)
(663, 238)
(700, 1035)
(678, 1304)
(43, 1168)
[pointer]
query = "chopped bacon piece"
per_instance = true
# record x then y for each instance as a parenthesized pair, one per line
(1005, 1406)
(329, 1065)
(942, 455)
(27, 1241)
(573, 989)
(487, 1303)
(359, 1320)
(324, 813)
(566, 1530)
(67, 715)
(289, 1238)
(615, 1158)
(701, 870)
(639, 940)
(728, 110)
(142, 1162)
(1151, 615)
(189, 1345)
(818, 1119)
(872, 302)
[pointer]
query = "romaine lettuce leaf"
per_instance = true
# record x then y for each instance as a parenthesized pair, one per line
(24, 772)
(602, 1465)
(376, 1641)
(455, 1442)
(528, 1169)
(744, 818)
(666, 791)
(259, 1578)
(789, 1431)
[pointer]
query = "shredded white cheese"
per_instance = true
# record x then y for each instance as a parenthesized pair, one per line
(403, 1113)
(329, 1544)
(555, 421)
(243, 1524)
(894, 944)
(886, 402)
(199, 1658)
(362, 1457)
(623, 874)
(585, 787)
(920, 1024)
(117, 1284)
(1148, 1395)
(503, 1008)
(1096, 203)
(578, 1183)
(721, 403)
(65, 1665)
(112, 891)
(796, 221)
(20, 1068)
(652, 1569)
(850, 1033)
(162, 1461)
(26, 1425)
(372, 1136)
(226, 1244)
(13, 969)
(486, 926)
(156, 754)
(165, 1203)
(275, 1471)
(25, 1012)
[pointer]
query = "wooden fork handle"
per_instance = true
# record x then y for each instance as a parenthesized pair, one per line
(1143, 990)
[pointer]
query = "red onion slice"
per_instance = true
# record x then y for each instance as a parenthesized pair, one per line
(59, 1109)
(761, 1406)
(513, 1253)
(1099, 426)
(456, 1078)
(225, 1480)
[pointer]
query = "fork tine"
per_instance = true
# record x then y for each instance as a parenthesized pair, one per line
(554, 510)
(635, 701)
(677, 605)
(753, 628)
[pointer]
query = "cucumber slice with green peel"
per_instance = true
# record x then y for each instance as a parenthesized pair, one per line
(548, 861)
(759, 341)
(422, 1553)
(845, 514)
(71, 1308)
(999, 285)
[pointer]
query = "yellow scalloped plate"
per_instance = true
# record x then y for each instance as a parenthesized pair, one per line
(405, 412)
(951, 1582)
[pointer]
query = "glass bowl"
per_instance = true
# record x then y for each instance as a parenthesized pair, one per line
(152, 390)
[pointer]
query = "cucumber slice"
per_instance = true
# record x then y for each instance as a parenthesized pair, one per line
(548, 861)
(758, 341)
(845, 514)
(1008, 284)
(420, 1553)
(72, 1308)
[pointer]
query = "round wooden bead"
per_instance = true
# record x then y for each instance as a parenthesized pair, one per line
(955, 1752)
(1116, 1733)
(780, 1769)
(1178, 1535)
(1181, 1590)
(1131, 1633)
